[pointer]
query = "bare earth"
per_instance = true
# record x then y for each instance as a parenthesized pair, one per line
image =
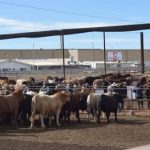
(129, 132)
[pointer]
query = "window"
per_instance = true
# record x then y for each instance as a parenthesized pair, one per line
(23, 69)
(5, 69)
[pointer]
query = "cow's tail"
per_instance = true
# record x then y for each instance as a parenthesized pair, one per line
(88, 103)
(33, 109)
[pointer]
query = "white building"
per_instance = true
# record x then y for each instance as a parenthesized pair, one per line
(20, 65)
(12, 65)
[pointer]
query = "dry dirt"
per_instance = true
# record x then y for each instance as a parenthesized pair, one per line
(130, 131)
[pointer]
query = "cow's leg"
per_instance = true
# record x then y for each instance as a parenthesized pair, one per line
(42, 121)
(88, 109)
(23, 117)
(50, 120)
(116, 116)
(19, 117)
(120, 107)
(95, 116)
(68, 116)
(107, 115)
(148, 104)
(14, 120)
(57, 117)
(88, 118)
(99, 115)
(103, 115)
(139, 104)
(142, 103)
(32, 120)
(78, 116)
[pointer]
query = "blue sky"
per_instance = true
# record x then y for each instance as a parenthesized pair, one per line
(38, 15)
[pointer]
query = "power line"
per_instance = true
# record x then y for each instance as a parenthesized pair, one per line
(67, 12)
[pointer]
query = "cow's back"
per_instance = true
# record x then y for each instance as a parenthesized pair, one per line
(109, 103)
(8, 103)
(44, 104)
(25, 105)
(3, 104)
(93, 101)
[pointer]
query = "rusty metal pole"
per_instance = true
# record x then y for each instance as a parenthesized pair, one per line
(104, 53)
(142, 53)
(62, 47)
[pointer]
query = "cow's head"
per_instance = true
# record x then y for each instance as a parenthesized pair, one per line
(18, 94)
(64, 96)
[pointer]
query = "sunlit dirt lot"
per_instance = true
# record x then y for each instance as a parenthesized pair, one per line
(130, 131)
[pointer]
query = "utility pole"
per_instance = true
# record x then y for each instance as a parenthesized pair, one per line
(33, 57)
(142, 53)
(62, 47)
(93, 52)
(104, 53)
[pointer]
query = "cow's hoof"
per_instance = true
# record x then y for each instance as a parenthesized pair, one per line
(14, 128)
(30, 128)
(43, 127)
(58, 124)
(98, 121)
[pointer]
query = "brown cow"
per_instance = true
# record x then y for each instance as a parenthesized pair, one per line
(47, 105)
(9, 105)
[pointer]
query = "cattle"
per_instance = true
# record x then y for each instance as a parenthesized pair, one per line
(7, 89)
(107, 102)
(83, 101)
(9, 106)
(24, 111)
(19, 82)
(97, 83)
(78, 97)
(93, 106)
(110, 103)
(60, 87)
(47, 105)
(71, 106)
(90, 79)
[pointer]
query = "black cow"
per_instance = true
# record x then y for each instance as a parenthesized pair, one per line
(71, 106)
(110, 103)
(24, 111)
(83, 102)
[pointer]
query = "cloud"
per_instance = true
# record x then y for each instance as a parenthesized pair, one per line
(15, 25)
(66, 25)
(10, 25)
(108, 40)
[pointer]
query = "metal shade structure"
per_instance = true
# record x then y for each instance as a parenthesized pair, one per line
(121, 28)
(62, 32)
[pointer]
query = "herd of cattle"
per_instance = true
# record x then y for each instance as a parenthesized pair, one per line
(18, 107)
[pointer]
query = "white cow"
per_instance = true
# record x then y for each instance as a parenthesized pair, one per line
(93, 106)
(47, 105)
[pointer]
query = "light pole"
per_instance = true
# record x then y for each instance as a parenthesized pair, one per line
(33, 57)
(93, 54)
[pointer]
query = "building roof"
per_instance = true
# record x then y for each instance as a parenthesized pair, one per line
(40, 62)
(43, 62)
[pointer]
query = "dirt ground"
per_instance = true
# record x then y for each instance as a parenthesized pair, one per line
(129, 132)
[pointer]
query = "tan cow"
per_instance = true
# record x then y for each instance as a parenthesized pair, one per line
(9, 104)
(47, 105)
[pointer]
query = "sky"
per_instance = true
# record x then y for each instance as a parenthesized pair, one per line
(39, 15)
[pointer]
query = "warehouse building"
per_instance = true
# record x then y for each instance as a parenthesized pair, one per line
(47, 59)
